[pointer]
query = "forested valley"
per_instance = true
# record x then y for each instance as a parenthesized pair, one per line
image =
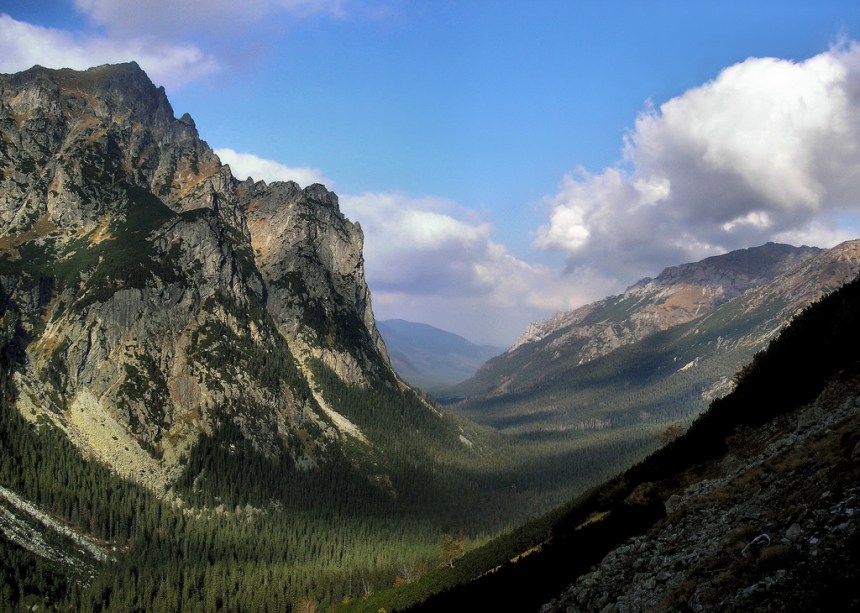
(247, 532)
(198, 412)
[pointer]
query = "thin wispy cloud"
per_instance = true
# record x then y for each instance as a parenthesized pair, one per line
(167, 19)
(768, 150)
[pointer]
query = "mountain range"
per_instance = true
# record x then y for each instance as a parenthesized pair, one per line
(430, 358)
(661, 351)
(198, 410)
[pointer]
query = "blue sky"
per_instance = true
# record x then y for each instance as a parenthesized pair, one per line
(507, 159)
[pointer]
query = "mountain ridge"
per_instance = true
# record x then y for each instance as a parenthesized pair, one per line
(145, 282)
(677, 296)
(718, 279)
(430, 357)
(572, 379)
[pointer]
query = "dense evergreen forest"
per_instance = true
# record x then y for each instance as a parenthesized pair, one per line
(248, 532)
(243, 531)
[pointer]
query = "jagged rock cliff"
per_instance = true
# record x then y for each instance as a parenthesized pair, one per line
(151, 294)
(311, 259)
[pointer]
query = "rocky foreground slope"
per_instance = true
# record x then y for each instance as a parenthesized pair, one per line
(765, 529)
(753, 508)
(148, 296)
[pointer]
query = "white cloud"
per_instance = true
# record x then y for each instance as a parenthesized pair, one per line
(168, 19)
(174, 42)
(820, 233)
(430, 260)
(246, 165)
(22, 45)
(769, 150)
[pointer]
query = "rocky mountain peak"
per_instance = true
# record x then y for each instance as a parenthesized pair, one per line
(155, 295)
(114, 88)
(731, 274)
(318, 194)
(72, 136)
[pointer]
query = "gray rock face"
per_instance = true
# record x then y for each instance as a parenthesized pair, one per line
(757, 535)
(311, 258)
(149, 290)
(69, 137)
(678, 295)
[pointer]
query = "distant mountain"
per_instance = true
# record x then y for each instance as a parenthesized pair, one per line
(658, 352)
(430, 358)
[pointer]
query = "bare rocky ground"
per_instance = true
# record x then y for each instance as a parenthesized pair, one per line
(772, 527)
(27, 526)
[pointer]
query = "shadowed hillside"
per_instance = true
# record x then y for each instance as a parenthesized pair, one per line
(751, 507)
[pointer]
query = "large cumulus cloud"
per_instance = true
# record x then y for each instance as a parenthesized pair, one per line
(431, 260)
(768, 150)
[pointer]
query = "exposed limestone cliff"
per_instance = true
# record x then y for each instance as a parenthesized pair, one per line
(152, 295)
(311, 258)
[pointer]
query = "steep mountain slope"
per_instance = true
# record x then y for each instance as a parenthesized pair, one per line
(667, 361)
(678, 295)
(431, 358)
(772, 527)
(753, 508)
(153, 298)
(211, 343)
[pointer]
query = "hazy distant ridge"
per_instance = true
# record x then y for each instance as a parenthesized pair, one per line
(428, 357)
